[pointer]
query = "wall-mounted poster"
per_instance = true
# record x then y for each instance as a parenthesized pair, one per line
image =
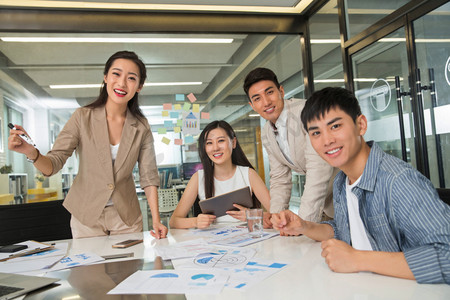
(191, 123)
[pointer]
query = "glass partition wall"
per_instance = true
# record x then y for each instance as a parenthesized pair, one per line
(401, 82)
(45, 77)
(373, 49)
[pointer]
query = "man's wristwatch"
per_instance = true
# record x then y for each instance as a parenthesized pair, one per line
(36, 158)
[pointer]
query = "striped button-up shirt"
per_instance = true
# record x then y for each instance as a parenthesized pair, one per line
(401, 212)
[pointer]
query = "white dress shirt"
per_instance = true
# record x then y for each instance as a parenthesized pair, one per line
(280, 131)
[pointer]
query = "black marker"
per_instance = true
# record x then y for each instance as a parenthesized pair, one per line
(25, 137)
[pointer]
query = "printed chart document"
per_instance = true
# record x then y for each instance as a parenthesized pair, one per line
(173, 282)
(232, 236)
(40, 261)
(32, 247)
(77, 260)
(183, 249)
(220, 258)
(255, 271)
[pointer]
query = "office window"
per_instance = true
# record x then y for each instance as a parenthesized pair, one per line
(326, 47)
(361, 14)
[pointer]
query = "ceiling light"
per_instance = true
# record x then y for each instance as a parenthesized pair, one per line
(390, 40)
(342, 80)
(325, 41)
(115, 40)
(97, 85)
(253, 115)
(328, 80)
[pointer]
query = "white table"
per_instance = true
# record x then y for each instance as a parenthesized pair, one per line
(306, 277)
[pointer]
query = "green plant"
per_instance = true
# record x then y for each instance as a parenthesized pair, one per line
(6, 169)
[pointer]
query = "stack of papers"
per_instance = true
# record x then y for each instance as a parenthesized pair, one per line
(52, 259)
(205, 265)
(32, 247)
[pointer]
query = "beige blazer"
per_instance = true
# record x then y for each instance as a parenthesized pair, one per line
(98, 180)
(317, 195)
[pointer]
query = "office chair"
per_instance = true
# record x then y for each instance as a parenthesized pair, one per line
(444, 194)
(167, 202)
(41, 221)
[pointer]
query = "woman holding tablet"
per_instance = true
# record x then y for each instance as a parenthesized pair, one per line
(109, 135)
(225, 169)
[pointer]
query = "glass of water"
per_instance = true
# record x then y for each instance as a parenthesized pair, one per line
(255, 222)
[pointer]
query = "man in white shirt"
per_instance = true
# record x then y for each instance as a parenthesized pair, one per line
(289, 148)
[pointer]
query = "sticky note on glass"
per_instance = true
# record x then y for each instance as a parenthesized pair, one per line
(177, 129)
(204, 115)
(179, 97)
(195, 107)
(162, 130)
(177, 106)
(191, 97)
(179, 122)
(165, 140)
(178, 142)
(186, 106)
(168, 124)
(174, 115)
(165, 113)
(189, 139)
(167, 106)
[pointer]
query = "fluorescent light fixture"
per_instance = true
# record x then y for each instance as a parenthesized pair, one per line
(390, 40)
(342, 80)
(325, 41)
(253, 115)
(24, 39)
(328, 80)
(98, 85)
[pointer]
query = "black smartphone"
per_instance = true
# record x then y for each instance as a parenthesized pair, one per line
(12, 248)
(127, 243)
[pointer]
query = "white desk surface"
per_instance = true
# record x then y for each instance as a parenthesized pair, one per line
(306, 277)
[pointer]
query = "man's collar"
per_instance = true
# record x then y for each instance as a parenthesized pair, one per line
(282, 118)
(368, 178)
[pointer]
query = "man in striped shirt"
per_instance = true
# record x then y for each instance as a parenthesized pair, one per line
(388, 217)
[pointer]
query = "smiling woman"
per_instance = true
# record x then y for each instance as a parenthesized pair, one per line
(114, 129)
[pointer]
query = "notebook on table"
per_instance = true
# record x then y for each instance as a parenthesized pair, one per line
(13, 285)
(219, 205)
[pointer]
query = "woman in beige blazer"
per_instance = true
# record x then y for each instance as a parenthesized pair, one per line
(109, 135)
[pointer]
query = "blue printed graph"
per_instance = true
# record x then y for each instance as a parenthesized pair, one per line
(220, 260)
(202, 277)
(165, 275)
(274, 265)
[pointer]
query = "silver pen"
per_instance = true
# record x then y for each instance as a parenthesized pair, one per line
(25, 137)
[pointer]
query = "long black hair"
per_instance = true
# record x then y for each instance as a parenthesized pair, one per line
(133, 104)
(237, 156)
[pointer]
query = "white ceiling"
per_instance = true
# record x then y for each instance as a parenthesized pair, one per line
(279, 6)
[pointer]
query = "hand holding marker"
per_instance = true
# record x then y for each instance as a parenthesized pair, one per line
(25, 137)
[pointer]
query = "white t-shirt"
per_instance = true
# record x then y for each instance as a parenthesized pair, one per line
(239, 180)
(114, 150)
(358, 234)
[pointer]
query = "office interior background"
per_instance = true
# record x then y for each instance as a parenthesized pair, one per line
(395, 56)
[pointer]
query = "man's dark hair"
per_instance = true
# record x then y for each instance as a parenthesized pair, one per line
(329, 98)
(258, 75)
